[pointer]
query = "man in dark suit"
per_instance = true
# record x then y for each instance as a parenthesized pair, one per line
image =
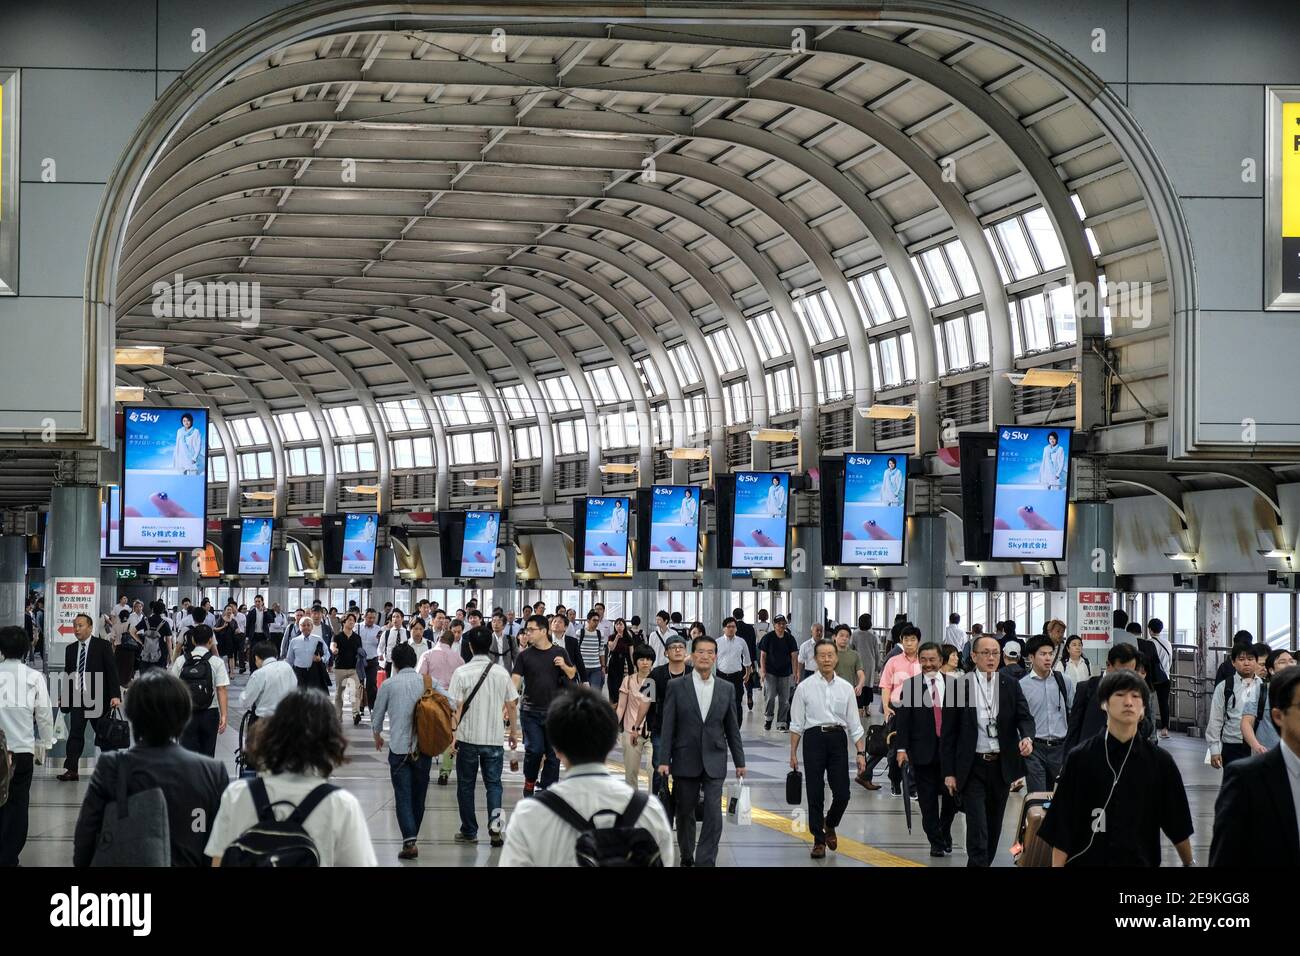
(1256, 813)
(918, 722)
(987, 733)
(745, 631)
(92, 689)
(1087, 719)
(699, 727)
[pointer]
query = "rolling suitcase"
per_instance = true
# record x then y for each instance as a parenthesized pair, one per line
(1030, 850)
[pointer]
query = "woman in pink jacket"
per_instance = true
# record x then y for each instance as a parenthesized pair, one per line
(635, 698)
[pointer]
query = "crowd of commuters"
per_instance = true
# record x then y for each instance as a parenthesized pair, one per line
(960, 725)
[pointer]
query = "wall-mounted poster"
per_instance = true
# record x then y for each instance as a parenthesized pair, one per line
(164, 478)
(1031, 500)
(1282, 206)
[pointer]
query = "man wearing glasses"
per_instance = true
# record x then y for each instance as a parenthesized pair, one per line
(987, 731)
(543, 669)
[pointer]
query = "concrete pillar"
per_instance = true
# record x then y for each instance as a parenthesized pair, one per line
(927, 574)
(645, 598)
(505, 582)
(187, 577)
(807, 581)
(715, 591)
(381, 582)
(1090, 563)
(278, 579)
(13, 579)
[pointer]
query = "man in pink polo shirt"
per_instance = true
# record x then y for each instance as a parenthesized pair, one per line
(898, 670)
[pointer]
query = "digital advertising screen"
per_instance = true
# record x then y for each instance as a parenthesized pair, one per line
(761, 516)
(1031, 495)
(875, 512)
(255, 546)
(359, 532)
(674, 527)
(161, 567)
(478, 553)
(605, 543)
(164, 478)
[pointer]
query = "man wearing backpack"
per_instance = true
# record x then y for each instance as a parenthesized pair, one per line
(407, 766)
(206, 676)
(480, 692)
(591, 816)
(1231, 699)
(154, 634)
(1050, 695)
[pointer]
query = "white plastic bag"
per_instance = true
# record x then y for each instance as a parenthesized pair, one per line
(744, 810)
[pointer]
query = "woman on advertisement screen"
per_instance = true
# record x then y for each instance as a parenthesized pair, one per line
(189, 446)
(891, 484)
(776, 498)
(1051, 472)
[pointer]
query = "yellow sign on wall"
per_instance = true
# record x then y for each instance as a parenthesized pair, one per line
(1282, 200)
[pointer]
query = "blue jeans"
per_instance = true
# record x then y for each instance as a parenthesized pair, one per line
(537, 749)
(654, 752)
(410, 786)
(596, 677)
(470, 758)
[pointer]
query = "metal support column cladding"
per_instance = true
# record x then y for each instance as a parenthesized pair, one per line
(927, 559)
(13, 578)
(278, 577)
(1089, 545)
(382, 581)
(807, 580)
(505, 582)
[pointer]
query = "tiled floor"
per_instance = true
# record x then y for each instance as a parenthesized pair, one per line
(872, 832)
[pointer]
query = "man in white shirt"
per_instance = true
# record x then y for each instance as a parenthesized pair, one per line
(824, 714)
(807, 654)
(603, 624)
(953, 634)
(1231, 699)
(583, 728)
(28, 725)
(734, 661)
(208, 722)
(658, 638)
(480, 691)
(272, 681)
(305, 651)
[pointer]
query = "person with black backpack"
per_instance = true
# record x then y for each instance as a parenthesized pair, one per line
(154, 636)
(591, 817)
(206, 676)
(1050, 694)
(290, 815)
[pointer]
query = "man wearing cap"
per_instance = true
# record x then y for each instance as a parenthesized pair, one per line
(778, 655)
(1011, 660)
(674, 666)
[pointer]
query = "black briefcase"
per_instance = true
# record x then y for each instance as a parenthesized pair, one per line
(113, 732)
(794, 788)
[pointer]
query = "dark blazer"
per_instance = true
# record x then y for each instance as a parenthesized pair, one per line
(189, 782)
(696, 747)
(100, 661)
(914, 719)
(1147, 648)
(961, 730)
(1087, 719)
(257, 623)
(1254, 816)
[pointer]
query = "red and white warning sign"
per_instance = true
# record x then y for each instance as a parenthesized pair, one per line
(1094, 617)
(69, 597)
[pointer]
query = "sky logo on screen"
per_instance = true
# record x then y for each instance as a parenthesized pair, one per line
(859, 461)
(1014, 436)
(747, 478)
(146, 417)
(597, 501)
(663, 491)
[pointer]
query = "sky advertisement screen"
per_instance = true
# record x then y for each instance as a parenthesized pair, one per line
(674, 527)
(255, 546)
(160, 567)
(605, 544)
(164, 478)
(359, 532)
(1032, 495)
(478, 553)
(761, 515)
(875, 513)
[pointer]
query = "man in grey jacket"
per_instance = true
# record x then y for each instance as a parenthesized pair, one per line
(699, 727)
(868, 648)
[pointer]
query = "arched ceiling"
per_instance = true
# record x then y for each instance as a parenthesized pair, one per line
(629, 186)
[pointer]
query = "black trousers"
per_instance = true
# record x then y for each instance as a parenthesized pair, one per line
(737, 680)
(1235, 752)
(826, 755)
(1162, 699)
(77, 723)
(938, 808)
(984, 800)
(200, 734)
(372, 679)
(686, 792)
(13, 815)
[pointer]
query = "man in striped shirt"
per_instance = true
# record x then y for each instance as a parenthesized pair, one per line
(591, 644)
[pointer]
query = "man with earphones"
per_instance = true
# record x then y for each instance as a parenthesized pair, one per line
(1117, 791)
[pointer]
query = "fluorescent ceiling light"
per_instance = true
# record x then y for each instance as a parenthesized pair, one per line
(618, 468)
(361, 489)
(482, 482)
(138, 355)
(1182, 555)
(895, 412)
(773, 434)
(1276, 553)
(260, 495)
(688, 454)
(128, 393)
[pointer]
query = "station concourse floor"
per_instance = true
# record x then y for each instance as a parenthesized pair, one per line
(872, 833)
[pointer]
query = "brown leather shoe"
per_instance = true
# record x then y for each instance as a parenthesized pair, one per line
(819, 851)
(866, 782)
(408, 853)
(68, 775)
(832, 842)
